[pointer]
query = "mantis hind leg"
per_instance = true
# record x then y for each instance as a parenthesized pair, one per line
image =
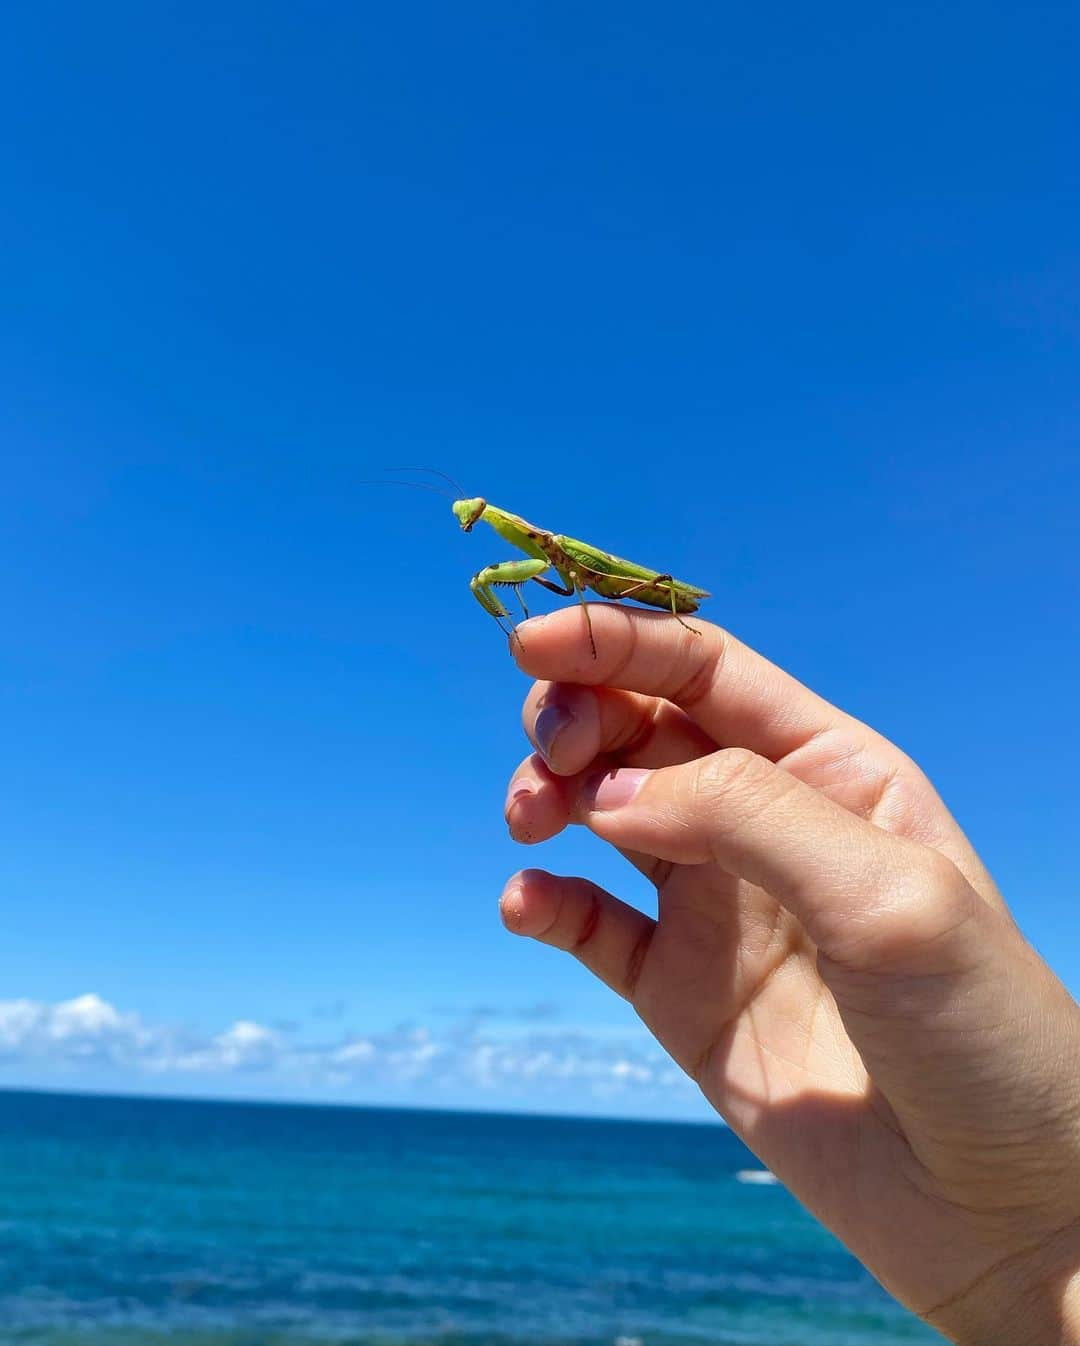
(656, 582)
(588, 618)
(576, 585)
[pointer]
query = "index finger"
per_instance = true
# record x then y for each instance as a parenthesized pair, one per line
(738, 697)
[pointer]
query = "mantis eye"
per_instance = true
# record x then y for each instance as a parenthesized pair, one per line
(468, 511)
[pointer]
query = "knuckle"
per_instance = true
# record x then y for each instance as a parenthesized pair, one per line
(919, 919)
(949, 896)
(634, 963)
(938, 873)
(586, 923)
(728, 790)
(729, 772)
(632, 728)
(924, 883)
(706, 660)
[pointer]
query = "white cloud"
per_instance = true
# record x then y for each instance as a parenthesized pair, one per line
(243, 1047)
(86, 1028)
(468, 1054)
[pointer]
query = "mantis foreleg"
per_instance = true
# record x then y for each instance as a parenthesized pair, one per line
(512, 574)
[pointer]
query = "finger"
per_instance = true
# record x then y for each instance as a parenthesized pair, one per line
(739, 699)
(571, 726)
(593, 727)
(610, 938)
(539, 805)
(735, 695)
(865, 898)
(589, 728)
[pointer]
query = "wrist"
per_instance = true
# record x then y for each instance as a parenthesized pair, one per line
(1030, 1299)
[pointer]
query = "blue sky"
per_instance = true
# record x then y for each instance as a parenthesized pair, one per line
(781, 298)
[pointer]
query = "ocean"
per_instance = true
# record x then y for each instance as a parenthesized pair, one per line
(169, 1223)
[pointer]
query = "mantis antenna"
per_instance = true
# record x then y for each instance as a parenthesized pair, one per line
(415, 485)
(435, 473)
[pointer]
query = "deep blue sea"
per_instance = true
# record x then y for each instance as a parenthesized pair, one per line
(129, 1221)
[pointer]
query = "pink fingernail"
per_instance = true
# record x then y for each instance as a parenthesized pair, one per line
(519, 789)
(612, 789)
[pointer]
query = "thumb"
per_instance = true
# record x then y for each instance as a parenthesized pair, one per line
(866, 898)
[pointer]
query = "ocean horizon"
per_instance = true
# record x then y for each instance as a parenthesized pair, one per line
(136, 1221)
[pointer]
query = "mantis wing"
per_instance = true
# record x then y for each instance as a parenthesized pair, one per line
(613, 577)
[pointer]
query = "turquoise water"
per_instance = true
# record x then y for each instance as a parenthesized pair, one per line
(132, 1221)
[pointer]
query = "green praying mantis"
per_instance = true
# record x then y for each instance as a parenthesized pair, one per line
(578, 565)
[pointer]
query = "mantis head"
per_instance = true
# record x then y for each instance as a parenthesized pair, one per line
(468, 511)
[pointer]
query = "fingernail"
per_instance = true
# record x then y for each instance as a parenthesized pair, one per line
(521, 635)
(550, 723)
(611, 789)
(510, 908)
(519, 789)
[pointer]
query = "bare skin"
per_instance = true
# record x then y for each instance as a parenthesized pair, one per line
(831, 961)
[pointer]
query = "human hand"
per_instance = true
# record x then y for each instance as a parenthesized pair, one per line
(831, 962)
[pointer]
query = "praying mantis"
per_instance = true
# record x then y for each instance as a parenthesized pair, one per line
(578, 565)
